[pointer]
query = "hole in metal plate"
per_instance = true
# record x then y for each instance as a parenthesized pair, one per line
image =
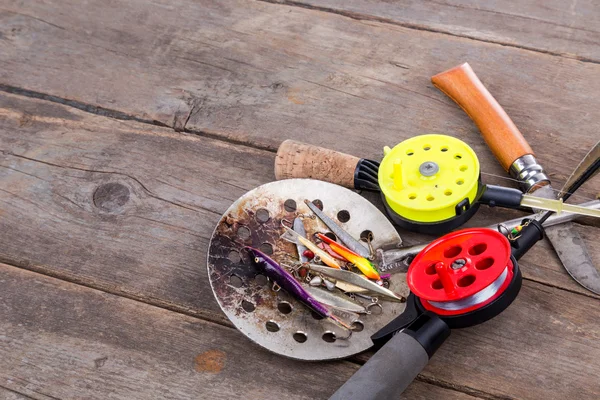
(453, 251)
(248, 306)
(300, 337)
(289, 205)
(367, 236)
(284, 307)
(260, 280)
(262, 215)
(478, 249)
(358, 326)
(430, 270)
(329, 337)
(343, 216)
(484, 264)
(243, 233)
(318, 203)
(266, 248)
(235, 281)
(234, 257)
(272, 326)
(331, 235)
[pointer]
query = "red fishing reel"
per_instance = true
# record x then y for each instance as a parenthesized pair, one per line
(459, 280)
(462, 271)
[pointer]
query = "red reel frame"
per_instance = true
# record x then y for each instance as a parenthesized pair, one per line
(461, 271)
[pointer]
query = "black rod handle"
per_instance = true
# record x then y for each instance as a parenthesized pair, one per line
(501, 196)
(389, 372)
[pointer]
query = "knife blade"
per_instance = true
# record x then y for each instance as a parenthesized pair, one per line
(566, 240)
(572, 252)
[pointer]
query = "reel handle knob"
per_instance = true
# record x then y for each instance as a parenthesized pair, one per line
(300, 160)
(500, 133)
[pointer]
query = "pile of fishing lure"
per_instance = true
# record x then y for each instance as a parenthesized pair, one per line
(328, 276)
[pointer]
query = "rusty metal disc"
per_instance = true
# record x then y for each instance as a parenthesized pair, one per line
(273, 319)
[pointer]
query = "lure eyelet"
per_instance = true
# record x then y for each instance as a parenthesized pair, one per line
(374, 304)
(285, 221)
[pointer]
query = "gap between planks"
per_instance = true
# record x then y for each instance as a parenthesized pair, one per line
(15, 395)
(119, 115)
(367, 17)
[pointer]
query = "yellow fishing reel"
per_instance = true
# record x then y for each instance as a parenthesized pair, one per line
(430, 183)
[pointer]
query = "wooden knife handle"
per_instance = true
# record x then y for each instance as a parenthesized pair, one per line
(500, 133)
(300, 160)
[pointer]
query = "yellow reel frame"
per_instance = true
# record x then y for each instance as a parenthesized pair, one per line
(430, 181)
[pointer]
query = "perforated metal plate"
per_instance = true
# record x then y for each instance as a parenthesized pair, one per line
(247, 298)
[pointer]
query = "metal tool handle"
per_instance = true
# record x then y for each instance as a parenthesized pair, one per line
(388, 373)
(464, 87)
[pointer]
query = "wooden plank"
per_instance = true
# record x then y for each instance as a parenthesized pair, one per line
(7, 394)
(60, 340)
(556, 27)
(122, 206)
(259, 73)
(70, 341)
(57, 164)
(152, 248)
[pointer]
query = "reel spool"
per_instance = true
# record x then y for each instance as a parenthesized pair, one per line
(462, 271)
(430, 183)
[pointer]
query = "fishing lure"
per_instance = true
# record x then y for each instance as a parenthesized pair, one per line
(335, 299)
(298, 227)
(355, 280)
(292, 236)
(332, 253)
(287, 282)
(359, 262)
(339, 232)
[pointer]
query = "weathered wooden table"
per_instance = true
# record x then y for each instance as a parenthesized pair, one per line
(128, 127)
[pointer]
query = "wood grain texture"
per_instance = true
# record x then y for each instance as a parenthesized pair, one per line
(462, 85)
(65, 175)
(60, 340)
(6, 394)
(127, 207)
(566, 28)
(124, 206)
(300, 160)
(152, 247)
(259, 73)
(67, 341)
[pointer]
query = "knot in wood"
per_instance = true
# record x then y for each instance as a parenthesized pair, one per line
(111, 196)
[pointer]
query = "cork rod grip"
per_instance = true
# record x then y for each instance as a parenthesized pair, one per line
(300, 160)
(500, 133)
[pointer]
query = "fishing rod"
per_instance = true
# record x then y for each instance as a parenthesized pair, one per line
(429, 183)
